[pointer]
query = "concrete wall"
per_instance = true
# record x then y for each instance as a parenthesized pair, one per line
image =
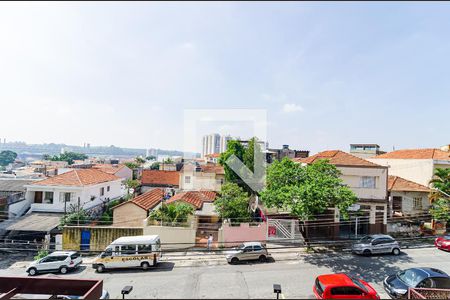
(235, 235)
(201, 181)
(408, 202)
(173, 237)
(125, 173)
(101, 236)
(352, 177)
(129, 214)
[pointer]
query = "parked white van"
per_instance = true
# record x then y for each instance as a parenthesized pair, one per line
(130, 252)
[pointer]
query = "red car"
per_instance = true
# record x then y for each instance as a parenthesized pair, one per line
(343, 286)
(443, 242)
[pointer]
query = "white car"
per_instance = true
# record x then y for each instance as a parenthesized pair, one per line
(59, 261)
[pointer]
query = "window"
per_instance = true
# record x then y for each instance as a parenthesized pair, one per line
(319, 287)
(48, 197)
(187, 179)
(66, 197)
(368, 182)
(142, 249)
(257, 248)
(417, 202)
(102, 191)
(75, 256)
(346, 290)
(107, 188)
(128, 249)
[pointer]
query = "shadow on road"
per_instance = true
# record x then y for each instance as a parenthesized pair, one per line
(161, 267)
(255, 262)
(372, 268)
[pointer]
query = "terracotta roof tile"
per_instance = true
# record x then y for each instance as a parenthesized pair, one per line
(196, 198)
(160, 178)
(147, 200)
(339, 158)
(396, 183)
(78, 177)
(416, 154)
(108, 168)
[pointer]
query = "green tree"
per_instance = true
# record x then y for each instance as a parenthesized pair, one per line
(151, 157)
(439, 196)
(132, 184)
(139, 160)
(46, 157)
(306, 191)
(172, 213)
(168, 161)
(131, 165)
(70, 157)
(154, 166)
(233, 203)
(7, 157)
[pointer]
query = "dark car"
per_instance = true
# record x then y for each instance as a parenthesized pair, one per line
(397, 285)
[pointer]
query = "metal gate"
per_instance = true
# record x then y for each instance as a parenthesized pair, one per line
(284, 230)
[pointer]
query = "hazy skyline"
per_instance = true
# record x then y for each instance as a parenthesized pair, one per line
(328, 74)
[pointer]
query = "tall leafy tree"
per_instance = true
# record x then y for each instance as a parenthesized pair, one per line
(233, 203)
(139, 160)
(234, 147)
(439, 196)
(7, 157)
(131, 184)
(70, 157)
(306, 191)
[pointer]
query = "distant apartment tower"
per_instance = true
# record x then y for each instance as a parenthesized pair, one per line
(214, 143)
(365, 150)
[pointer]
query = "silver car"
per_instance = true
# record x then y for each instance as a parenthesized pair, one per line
(376, 244)
(58, 261)
(248, 251)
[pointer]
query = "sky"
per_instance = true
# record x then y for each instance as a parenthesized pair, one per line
(327, 74)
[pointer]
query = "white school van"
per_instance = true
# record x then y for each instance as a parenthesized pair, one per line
(130, 252)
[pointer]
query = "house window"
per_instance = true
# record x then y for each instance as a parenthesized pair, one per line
(368, 182)
(107, 188)
(48, 197)
(102, 191)
(417, 203)
(187, 179)
(65, 197)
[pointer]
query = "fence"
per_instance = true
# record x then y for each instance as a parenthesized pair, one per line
(422, 293)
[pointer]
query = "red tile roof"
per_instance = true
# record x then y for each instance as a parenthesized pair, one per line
(396, 183)
(213, 155)
(338, 158)
(147, 200)
(213, 168)
(108, 168)
(417, 154)
(196, 198)
(160, 178)
(78, 177)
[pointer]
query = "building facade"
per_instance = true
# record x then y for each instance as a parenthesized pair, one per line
(214, 143)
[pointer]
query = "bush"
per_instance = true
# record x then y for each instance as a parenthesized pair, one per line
(105, 219)
(41, 254)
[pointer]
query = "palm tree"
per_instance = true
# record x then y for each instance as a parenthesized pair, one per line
(441, 184)
(172, 213)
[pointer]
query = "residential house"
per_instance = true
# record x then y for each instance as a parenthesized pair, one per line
(196, 177)
(48, 167)
(369, 182)
(417, 165)
(12, 197)
(407, 198)
(365, 150)
(278, 154)
(133, 212)
(118, 170)
(85, 187)
(212, 158)
(159, 179)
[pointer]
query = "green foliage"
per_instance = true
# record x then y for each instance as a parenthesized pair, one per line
(233, 203)
(139, 160)
(7, 157)
(306, 191)
(131, 165)
(75, 217)
(70, 157)
(154, 166)
(151, 157)
(440, 208)
(41, 254)
(132, 184)
(173, 213)
(106, 219)
(168, 161)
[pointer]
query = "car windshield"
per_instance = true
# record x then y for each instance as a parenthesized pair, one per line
(359, 284)
(241, 246)
(366, 240)
(411, 277)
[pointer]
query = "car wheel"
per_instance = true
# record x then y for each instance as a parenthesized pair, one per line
(63, 270)
(32, 272)
(100, 268)
(396, 251)
(367, 252)
(145, 266)
(262, 258)
(234, 260)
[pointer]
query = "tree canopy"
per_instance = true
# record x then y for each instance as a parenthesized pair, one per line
(172, 213)
(70, 157)
(439, 196)
(233, 203)
(308, 190)
(154, 166)
(7, 157)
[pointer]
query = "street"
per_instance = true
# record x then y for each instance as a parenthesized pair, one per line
(216, 279)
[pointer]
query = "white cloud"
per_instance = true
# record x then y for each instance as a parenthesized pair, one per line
(292, 107)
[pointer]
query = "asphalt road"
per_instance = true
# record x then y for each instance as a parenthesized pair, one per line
(254, 280)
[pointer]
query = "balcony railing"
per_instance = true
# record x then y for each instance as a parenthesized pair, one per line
(423, 293)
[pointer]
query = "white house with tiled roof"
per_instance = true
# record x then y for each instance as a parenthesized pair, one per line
(407, 197)
(417, 165)
(88, 187)
(369, 182)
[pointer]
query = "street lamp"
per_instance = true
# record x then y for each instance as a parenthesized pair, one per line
(126, 290)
